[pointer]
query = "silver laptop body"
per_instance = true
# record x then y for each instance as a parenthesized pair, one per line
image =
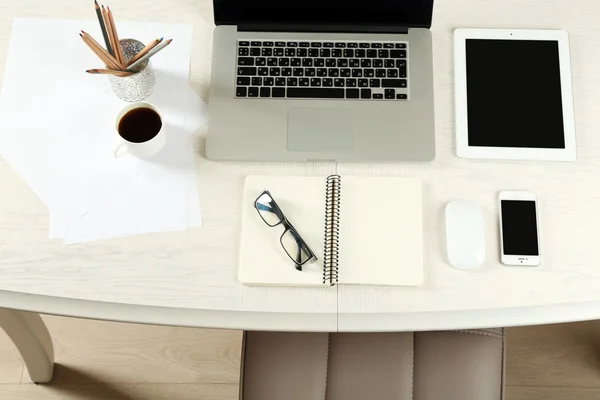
(256, 113)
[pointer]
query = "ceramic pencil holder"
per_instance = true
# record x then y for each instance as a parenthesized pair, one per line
(138, 86)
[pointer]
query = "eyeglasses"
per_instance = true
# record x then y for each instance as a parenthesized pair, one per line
(292, 243)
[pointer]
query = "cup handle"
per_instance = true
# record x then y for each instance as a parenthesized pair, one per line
(120, 149)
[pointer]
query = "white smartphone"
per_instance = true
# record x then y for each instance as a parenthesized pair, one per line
(519, 229)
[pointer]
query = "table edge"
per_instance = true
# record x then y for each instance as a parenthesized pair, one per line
(169, 316)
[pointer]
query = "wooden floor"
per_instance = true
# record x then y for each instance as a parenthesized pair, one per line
(104, 360)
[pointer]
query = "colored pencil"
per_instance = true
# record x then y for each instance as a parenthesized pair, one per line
(108, 60)
(149, 54)
(118, 50)
(109, 72)
(144, 51)
(103, 29)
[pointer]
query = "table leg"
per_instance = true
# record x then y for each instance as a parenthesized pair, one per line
(31, 337)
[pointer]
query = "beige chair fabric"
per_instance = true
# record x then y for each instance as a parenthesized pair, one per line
(465, 365)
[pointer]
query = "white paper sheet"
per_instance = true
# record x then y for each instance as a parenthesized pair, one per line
(162, 198)
(57, 129)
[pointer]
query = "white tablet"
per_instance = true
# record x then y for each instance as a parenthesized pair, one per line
(513, 95)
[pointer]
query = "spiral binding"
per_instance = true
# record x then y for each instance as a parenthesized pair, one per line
(332, 230)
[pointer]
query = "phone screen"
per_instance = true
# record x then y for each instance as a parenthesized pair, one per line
(519, 228)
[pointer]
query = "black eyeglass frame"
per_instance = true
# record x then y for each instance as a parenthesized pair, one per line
(288, 227)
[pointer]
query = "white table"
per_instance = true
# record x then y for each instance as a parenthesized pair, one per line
(189, 278)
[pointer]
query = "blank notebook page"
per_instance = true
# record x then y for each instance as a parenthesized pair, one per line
(381, 231)
(262, 258)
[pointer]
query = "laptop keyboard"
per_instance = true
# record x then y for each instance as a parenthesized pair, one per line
(322, 70)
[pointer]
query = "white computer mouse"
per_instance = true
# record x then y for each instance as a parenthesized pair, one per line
(465, 234)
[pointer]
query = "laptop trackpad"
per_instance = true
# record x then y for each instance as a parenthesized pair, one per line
(320, 129)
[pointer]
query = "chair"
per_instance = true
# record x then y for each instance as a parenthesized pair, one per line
(449, 365)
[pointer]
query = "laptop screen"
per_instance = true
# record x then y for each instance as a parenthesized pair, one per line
(410, 13)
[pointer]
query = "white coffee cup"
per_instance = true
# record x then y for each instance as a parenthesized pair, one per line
(141, 145)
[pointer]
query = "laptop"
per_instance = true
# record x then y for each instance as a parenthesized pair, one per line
(304, 80)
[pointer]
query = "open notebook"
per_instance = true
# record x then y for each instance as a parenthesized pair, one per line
(378, 230)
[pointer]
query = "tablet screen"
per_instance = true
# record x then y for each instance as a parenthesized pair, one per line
(514, 94)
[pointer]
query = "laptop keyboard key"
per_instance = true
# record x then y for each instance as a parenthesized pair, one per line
(360, 53)
(339, 82)
(243, 81)
(244, 43)
(353, 45)
(378, 63)
(392, 73)
(328, 44)
(296, 62)
(357, 73)
(286, 72)
(389, 63)
(378, 96)
(256, 44)
(334, 72)
(381, 73)
(252, 92)
(327, 82)
(290, 52)
(278, 92)
(268, 81)
(298, 72)
(302, 52)
(325, 53)
(321, 71)
(393, 83)
(319, 62)
(365, 93)
(265, 92)
(272, 62)
(315, 93)
(348, 53)
(315, 44)
(383, 53)
(388, 45)
(315, 82)
(304, 44)
(243, 51)
(279, 81)
(292, 44)
(310, 72)
(402, 72)
(303, 82)
(336, 52)
(354, 63)
(275, 71)
(372, 53)
(401, 96)
(267, 52)
(313, 53)
(256, 81)
(255, 51)
(346, 72)
(351, 82)
(284, 62)
(263, 71)
(241, 91)
(352, 93)
(246, 71)
(400, 45)
(278, 52)
(376, 45)
(398, 53)
(369, 72)
(374, 83)
(260, 61)
(292, 81)
(340, 45)
(342, 63)
(390, 94)
(307, 62)
(330, 62)
(363, 83)
(279, 44)
(267, 44)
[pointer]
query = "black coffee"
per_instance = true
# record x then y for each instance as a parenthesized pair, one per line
(140, 125)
